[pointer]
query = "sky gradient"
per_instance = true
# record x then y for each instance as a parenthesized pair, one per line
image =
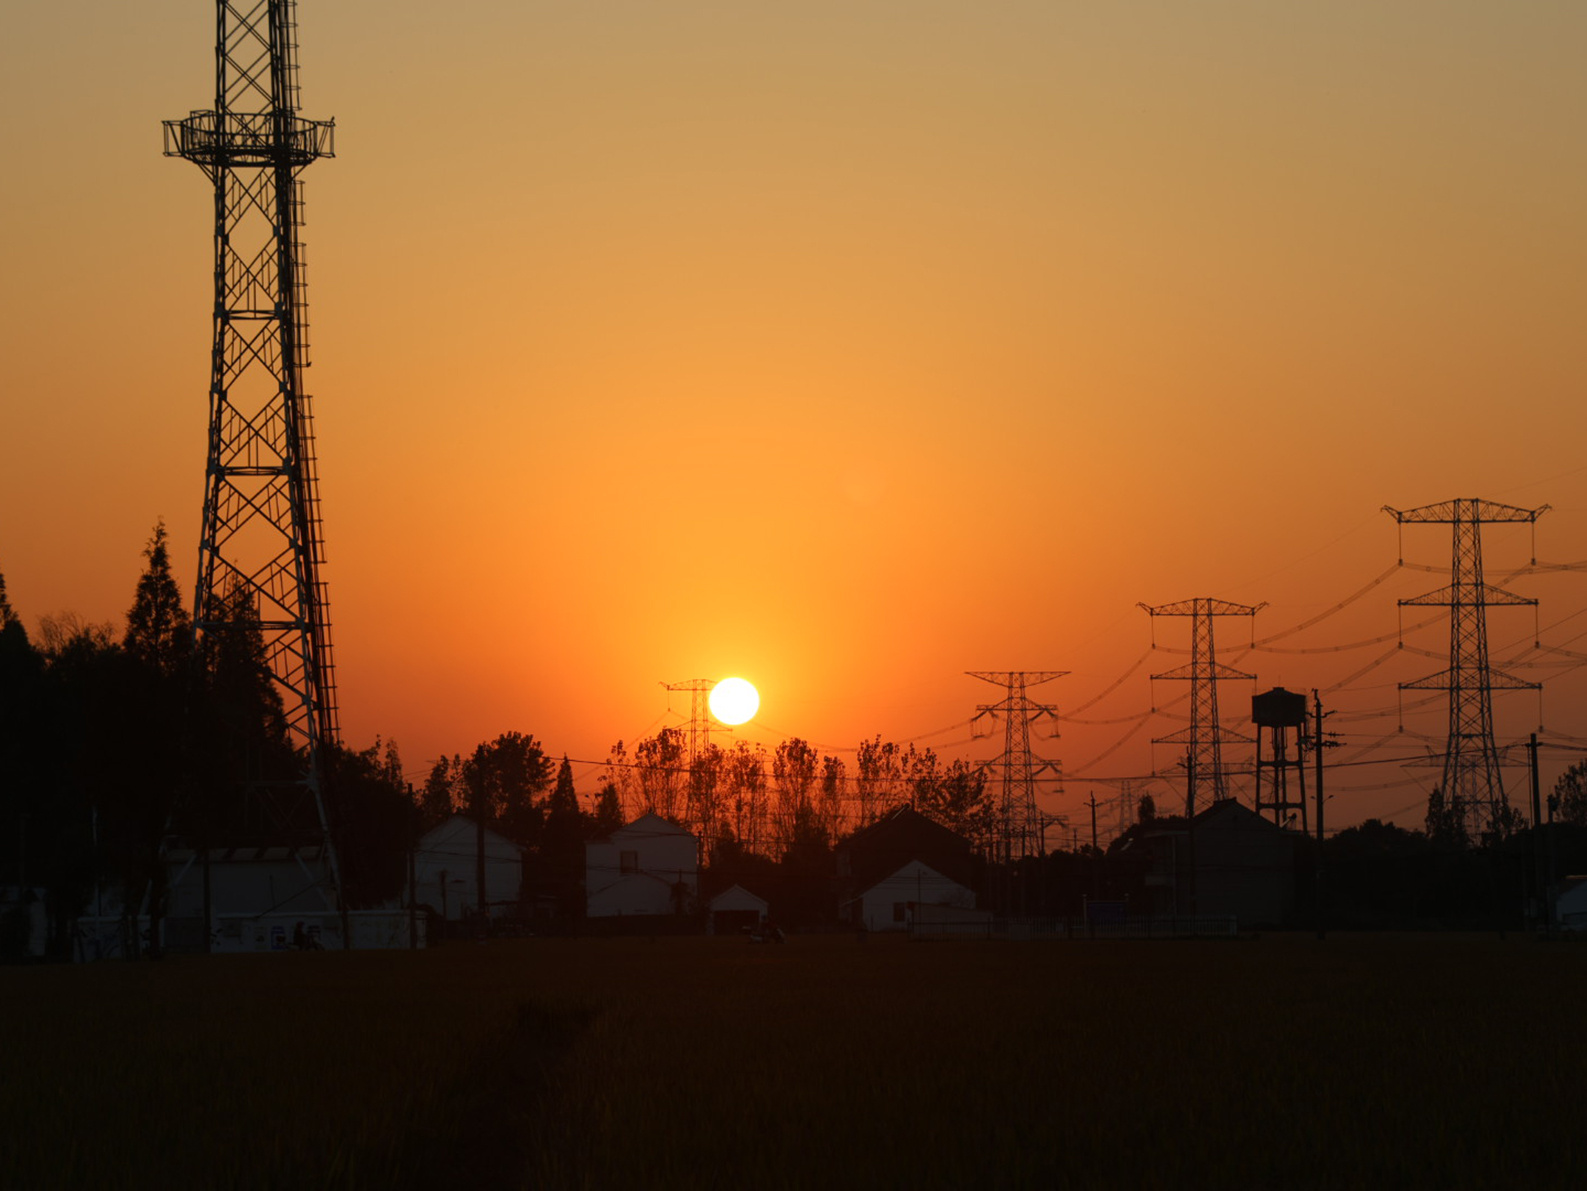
(843, 346)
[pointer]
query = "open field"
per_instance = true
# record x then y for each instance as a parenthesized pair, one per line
(1410, 1061)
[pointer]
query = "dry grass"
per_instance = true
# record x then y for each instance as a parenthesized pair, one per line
(1369, 1061)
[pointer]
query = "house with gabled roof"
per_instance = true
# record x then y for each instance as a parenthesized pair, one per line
(650, 866)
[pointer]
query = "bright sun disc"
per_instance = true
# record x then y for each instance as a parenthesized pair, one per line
(734, 701)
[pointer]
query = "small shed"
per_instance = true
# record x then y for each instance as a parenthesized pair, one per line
(735, 909)
(890, 904)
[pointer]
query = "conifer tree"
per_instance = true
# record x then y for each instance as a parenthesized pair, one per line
(159, 630)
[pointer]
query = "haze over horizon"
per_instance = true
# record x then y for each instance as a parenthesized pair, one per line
(844, 347)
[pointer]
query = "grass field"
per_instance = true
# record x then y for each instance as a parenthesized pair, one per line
(1420, 1061)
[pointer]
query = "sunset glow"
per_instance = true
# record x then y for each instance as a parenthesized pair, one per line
(995, 320)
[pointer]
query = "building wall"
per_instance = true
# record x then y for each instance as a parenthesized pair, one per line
(885, 905)
(449, 854)
(249, 882)
(635, 870)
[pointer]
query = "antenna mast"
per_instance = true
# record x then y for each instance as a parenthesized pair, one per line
(260, 544)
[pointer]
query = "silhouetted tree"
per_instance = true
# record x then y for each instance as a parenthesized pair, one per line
(1445, 824)
(28, 777)
(661, 770)
(793, 772)
(561, 858)
(159, 630)
(371, 813)
(834, 796)
(744, 801)
(502, 779)
(439, 797)
(959, 799)
(1570, 791)
(876, 779)
(705, 791)
(608, 811)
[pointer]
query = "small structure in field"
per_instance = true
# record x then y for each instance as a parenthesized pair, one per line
(735, 909)
(649, 866)
(895, 902)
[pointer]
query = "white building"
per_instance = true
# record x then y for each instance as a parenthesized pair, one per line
(249, 881)
(734, 909)
(446, 870)
(1570, 908)
(890, 904)
(649, 866)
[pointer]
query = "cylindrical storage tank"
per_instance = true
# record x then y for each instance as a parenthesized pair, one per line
(1278, 708)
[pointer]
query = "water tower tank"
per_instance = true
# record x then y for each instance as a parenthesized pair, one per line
(1278, 708)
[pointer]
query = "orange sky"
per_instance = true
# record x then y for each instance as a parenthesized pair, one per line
(844, 346)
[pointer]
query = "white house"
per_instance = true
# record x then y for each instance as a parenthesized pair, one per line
(649, 866)
(890, 903)
(735, 908)
(446, 870)
(249, 881)
(1570, 908)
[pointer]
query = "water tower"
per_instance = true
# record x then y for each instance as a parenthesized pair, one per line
(1279, 716)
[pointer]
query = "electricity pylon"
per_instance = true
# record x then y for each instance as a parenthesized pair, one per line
(260, 545)
(1205, 736)
(701, 806)
(1472, 785)
(1020, 825)
(700, 726)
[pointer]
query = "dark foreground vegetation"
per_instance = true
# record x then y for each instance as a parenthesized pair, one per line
(1364, 1061)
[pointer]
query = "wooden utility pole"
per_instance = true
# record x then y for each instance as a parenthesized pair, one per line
(1317, 872)
(1537, 898)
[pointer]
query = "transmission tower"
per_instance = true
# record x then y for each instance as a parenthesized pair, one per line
(1205, 736)
(1472, 785)
(700, 726)
(1020, 824)
(260, 545)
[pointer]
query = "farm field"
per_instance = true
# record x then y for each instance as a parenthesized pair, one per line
(1364, 1061)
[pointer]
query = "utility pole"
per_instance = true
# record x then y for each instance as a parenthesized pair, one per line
(261, 544)
(1472, 784)
(1206, 735)
(1318, 743)
(1536, 898)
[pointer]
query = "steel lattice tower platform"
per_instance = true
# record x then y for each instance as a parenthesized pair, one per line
(260, 540)
(1472, 784)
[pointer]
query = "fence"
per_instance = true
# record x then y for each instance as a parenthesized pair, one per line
(974, 926)
(372, 930)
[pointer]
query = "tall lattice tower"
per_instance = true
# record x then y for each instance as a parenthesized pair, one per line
(1205, 736)
(1472, 787)
(1020, 823)
(260, 544)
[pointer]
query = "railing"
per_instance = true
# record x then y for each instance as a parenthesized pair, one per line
(1205, 926)
(249, 138)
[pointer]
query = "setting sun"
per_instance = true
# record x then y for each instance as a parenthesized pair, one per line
(734, 701)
